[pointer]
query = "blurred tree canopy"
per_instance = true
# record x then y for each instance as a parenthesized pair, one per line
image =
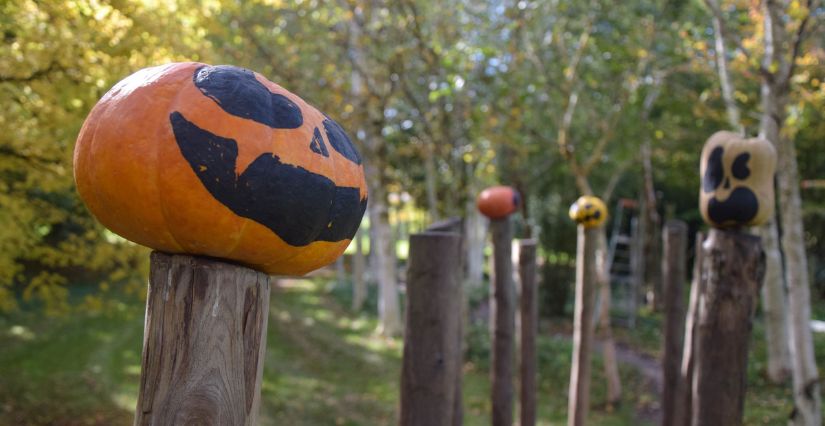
(461, 94)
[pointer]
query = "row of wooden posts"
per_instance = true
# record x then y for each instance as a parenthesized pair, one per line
(704, 350)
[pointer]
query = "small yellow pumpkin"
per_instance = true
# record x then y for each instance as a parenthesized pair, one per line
(588, 211)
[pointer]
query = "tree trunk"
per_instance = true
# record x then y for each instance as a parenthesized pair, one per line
(359, 284)
(475, 233)
(806, 377)
(430, 176)
(774, 307)
(684, 391)
(503, 312)
(673, 274)
(203, 344)
(775, 89)
(432, 343)
(529, 330)
(383, 259)
(605, 332)
(586, 280)
(734, 267)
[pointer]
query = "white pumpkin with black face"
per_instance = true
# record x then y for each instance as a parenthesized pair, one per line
(737, 181)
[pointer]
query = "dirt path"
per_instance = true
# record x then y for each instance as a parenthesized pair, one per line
(651, 370)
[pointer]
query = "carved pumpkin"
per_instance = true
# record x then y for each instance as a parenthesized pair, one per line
(588, 211)
(219, 161)
(498, 202)
(737, 180)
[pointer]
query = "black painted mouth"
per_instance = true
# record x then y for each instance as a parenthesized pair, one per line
(740, 207)
(297, 205)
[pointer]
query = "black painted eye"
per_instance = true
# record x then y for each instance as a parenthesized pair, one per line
(340, 141)
(238, 92)
(740, 166)
(317, 144)
(714, 170)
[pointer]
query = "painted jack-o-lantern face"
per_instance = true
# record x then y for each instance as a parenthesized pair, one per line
(588, 211)
(498, 202)
(737, 180)
(219, 161)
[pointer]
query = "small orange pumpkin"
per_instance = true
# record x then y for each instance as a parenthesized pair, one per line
(498, 202)
(219, 161)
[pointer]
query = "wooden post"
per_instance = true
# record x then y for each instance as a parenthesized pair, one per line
(586, 276)
(529, 329)
(682, 408)
(734, 267)
(503, 311)
(674, 240)
(204, 341)
(432, 342)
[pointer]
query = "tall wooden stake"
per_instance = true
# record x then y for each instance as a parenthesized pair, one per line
(529, 329)
(579, 394)
(674, 239)
(432, 341)
(504, 323)
(682, 409)
(204, 341)
(734, 267)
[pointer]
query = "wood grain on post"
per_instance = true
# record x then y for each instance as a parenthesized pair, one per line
(734, 267)
(203, 344)
(683, 398)
(674, 240)
(529, 330)
(579, 394)
(432, 341)
(503, 310)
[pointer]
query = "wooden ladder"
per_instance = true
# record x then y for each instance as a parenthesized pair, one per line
(623, 257)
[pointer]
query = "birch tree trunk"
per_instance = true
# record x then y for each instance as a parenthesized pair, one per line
(383, 264)
(475, 234)
(778, 65)
(359, 284)
(773, 291)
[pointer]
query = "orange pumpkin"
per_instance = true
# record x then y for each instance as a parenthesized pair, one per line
(219, 161)
(498, 202)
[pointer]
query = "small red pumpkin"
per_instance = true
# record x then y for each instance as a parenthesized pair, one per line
(219, 161)
(498, 202)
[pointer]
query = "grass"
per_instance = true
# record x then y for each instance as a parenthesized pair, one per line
(324, 366)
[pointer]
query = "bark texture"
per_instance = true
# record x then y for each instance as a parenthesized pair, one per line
(432, 342)
(203, 344)
(734, 267)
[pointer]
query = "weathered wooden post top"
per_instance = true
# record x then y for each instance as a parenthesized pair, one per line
(498, 203)
(589, 213)
(216, 161)
(736, 191)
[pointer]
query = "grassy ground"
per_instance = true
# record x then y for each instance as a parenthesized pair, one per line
(324, 366)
